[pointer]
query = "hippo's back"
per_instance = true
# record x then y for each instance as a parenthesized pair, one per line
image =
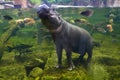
(79, 38)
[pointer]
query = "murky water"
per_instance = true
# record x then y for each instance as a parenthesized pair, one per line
(27, 51)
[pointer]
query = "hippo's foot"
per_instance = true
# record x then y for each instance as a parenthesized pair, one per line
(71, 67)
(58, 66)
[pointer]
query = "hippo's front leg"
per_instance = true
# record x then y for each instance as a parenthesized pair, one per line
(69, 59)
(59, 55)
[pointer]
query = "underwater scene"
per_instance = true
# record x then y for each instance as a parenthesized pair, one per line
(28, 52)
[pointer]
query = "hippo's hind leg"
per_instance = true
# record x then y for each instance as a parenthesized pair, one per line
(82, 52)
(89, 51)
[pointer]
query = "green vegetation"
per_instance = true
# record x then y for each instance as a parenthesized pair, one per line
(40, 63)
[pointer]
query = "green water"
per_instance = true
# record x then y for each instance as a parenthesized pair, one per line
(37, 62)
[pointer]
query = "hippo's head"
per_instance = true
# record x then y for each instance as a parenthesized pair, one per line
(50, 18)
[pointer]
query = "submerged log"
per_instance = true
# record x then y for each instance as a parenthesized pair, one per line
(6, 35)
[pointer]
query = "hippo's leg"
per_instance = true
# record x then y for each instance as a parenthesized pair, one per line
(89, 55)
(59, 55)
(69, 59)
(82, 52)
(81, 57)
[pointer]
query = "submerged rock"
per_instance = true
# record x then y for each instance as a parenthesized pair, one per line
(33, 64)
(36, 73)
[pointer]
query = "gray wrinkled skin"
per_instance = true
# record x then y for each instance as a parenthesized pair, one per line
(68, 37)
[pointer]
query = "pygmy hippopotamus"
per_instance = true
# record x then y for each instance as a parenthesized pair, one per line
(66, 36)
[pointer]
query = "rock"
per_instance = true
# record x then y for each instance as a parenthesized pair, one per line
(35, 73)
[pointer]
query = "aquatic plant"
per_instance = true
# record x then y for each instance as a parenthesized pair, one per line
(98, 72)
